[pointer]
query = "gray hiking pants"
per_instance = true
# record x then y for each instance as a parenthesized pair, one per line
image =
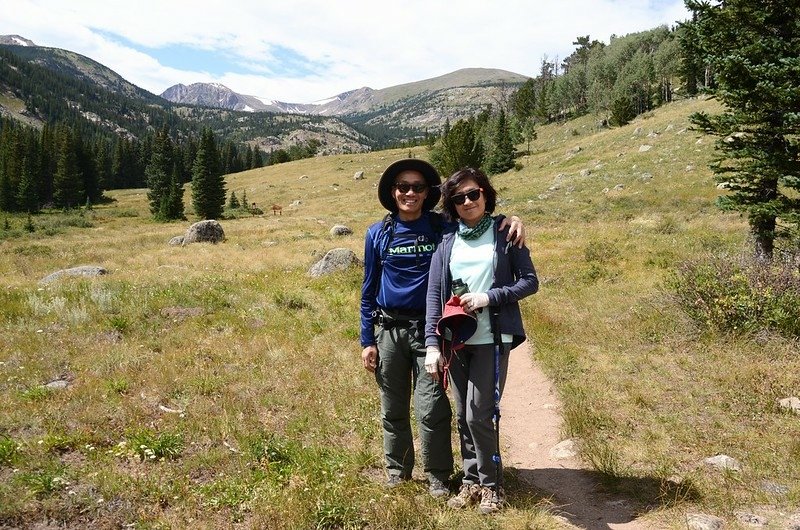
(472, 378)
(401, 370)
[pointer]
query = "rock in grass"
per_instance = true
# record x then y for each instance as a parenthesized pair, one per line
(723, 462)
(88, 271)
(334, 260)
(208, 231)
(701, 521)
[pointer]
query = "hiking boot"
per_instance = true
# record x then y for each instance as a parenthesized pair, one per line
(468, 495)
(394, 480)
(491, 501)
(437, 487)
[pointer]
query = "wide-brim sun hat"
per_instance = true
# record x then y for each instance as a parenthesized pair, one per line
(456, 325)
(428, 172)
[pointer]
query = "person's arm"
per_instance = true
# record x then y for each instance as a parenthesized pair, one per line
(369, 304)
(433, 312)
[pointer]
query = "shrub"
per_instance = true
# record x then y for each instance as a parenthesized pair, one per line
(740, 293)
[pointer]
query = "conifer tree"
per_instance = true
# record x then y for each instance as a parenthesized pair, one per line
(27, 192)
(753, 47)
(172, 208)
(208, 183)
(458, 147)
(159, 175)
(501, 159)
(68, 180)
(233, 202)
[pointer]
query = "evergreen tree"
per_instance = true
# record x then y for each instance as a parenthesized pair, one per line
(233, 202)
(458, 147)
(753, 47)
(173, 205)
(27, 192)
(68, 180)
(501, 158)
(159, 175)
(208, 184)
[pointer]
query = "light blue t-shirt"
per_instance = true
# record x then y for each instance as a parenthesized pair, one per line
(473, 262)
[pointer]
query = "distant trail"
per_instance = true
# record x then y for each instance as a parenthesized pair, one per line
(530, 425)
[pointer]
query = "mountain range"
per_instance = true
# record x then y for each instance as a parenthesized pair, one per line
(356, 120)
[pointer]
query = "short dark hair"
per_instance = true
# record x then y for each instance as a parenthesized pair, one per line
(454, 181)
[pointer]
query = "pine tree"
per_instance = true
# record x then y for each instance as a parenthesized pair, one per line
(68, 180)
(458, 147)
(159, 175)
(27, 192)
(501, 159)
(208, 183)
(173, 204)
(753, 47)
(233, 202)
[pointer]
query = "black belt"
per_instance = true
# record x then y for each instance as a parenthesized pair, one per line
(391, 319)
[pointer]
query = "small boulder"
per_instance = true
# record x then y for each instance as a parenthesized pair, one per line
(341, 230)
(208, 231)
(83, 270)
(176, 241)
(334, 260)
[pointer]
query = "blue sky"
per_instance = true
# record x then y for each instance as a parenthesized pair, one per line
(309, 50)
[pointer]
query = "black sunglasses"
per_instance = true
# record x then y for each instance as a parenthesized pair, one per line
(403, 187)
(472, 195)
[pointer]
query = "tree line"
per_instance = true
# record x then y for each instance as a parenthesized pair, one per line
(59, 167)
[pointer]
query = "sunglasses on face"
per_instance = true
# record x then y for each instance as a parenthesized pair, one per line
(403, 187)
(472, 195)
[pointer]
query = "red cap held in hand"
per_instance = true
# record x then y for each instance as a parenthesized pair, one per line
(456, 325)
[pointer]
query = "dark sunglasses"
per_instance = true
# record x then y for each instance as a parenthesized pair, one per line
(403, 187)
(472, 195)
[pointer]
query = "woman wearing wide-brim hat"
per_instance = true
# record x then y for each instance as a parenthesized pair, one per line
(496, 275)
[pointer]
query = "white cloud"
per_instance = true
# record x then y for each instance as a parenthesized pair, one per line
(351, 43)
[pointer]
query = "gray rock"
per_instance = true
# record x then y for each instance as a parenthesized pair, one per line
(359, 175)
(774, 488)
(645, 148)
(563, 450)
(58, 384)
(208, 231)
(88, 271)
(701, 521)
(334, 260)
(176, 241)
(791, 404)
(340, 230)
(751, 519)
(723, 462)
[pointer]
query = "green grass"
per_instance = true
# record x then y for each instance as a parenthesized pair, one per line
(219, 385)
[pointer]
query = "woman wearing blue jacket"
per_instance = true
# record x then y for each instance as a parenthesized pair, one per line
(497, 275)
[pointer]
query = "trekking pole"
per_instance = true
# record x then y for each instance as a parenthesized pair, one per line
(498, 344)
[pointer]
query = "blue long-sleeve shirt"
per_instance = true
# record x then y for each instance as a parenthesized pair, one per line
(396, 265)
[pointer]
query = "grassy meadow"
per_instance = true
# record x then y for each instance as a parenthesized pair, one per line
(219, 386)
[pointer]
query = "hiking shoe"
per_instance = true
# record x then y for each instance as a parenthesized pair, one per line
(394, 480)
(491, 501)
(437, 487)
(468, 495)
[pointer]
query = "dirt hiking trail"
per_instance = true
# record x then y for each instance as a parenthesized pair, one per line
(530, 426)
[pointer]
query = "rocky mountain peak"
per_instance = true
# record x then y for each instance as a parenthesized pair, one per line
(15, 40)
